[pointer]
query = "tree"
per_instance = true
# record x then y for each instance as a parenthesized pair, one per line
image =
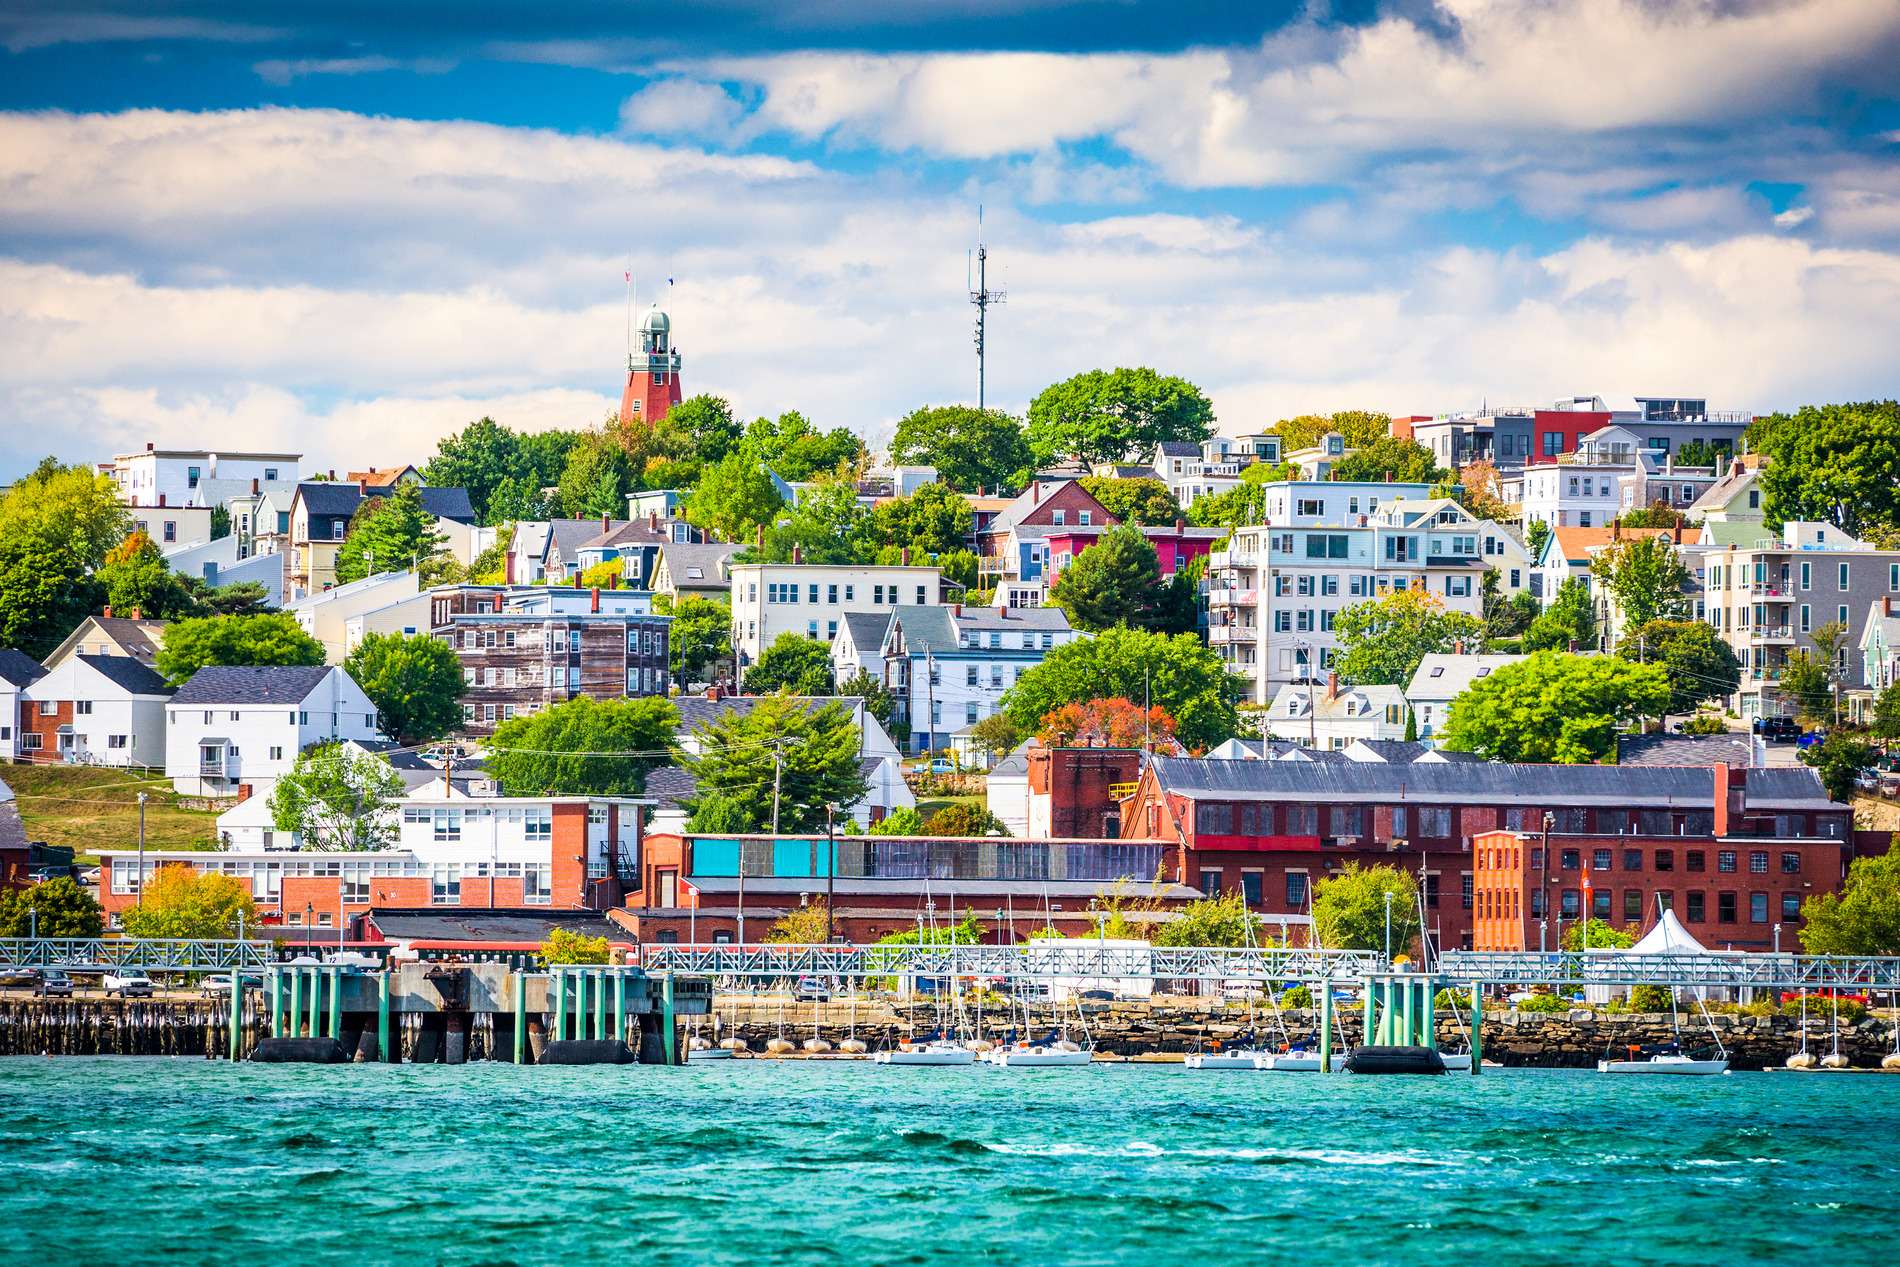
(1406, 461)
(56, 527)
(137, 578)
(598, 476)
(1245, 503)
(1602, 936)
(1863, 918)
(414, 680)
(931, 521)
(389, 534)
(583, 747)
(336, 797)
(479, 458)
(959, 567)
(878, 701)
(1887, 713)
(1658, 514)
(1179, 674)
(796, 450)
(1505, 617)
(828, 524)
(964, 820)
(1806, 680)
(563, 945)
(805, 925)
(1382, 640)
(818, 765)
(1358, 427)
(724, 814)
(1111, 417)
(54, 908)
(1841, 759)
(1700, 665)
(271, 639)
(701, 635)
(899, 822)
(1535, 535)
(1349, 909)
(1571, 617)
(700, 427)
(734, 498)
(997, 734)
(246, 598)
(1645, 576)
(799, 665)
(1116, 581)
(1482, 487)
(1135, 501)
(1835, 464)
(1107, 723)
(182, 903)
(1553, 708)
(1217, 921)
(971, 448)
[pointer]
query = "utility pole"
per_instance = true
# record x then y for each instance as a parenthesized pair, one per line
(831, 869)
(778, 769)
(1543, 881)
(982, 297)
(141, 901)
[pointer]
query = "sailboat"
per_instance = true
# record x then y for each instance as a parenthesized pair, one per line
(1672, 1060)
(1053, 1051)
(934, 1050)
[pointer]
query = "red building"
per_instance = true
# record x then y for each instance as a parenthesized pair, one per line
(1732, 850)
(1558, 431)
(1174, 547)
(653, 373)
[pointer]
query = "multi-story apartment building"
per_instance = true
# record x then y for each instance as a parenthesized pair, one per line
(1581, 489)
(320, 519)
(811, 600)
(1514, 436)
(1275, 592)
(188, 478)
(236, 727)
(526, 649)
(1768, 599)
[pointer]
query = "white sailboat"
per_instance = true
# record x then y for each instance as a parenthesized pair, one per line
(1674, 1062)
(935, 1049)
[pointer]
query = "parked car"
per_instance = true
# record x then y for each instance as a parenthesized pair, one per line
(219, 987)
(90, 876)
(28, 977)
(55, 985)
(130, 983)
(812, 990)
(1777, 729)
(1813, 739)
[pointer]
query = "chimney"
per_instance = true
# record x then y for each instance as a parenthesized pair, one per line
(653, 521)
(1886, 605)
(596, 593)
(905, 556)
(1678, 534)
(244, 793)
(161, 499)
(712, 692)
(603, 521)
(613, 582)
(137, 614)
(1669, 464)
(1573, 646)
(1002, 609)
(1035, 493)
(333, 474)
(362, 488)
(956, 609)
(1721, 798)
(508, 568)
(253, 486)
(1458, 647)
(1388, 477)
(1332, 686)
(1616, 529)
(1180, 526)
(148, 446)
(108, 611)
(798, 553)
(760, 542)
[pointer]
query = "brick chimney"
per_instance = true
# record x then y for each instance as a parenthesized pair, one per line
(1180, 526)
(138, 614)
(956, 609)
(604, 523)
(1458, 647)
(508, 568)
(1678, 534)
(253, 486)
(653, 521)
(1035, 493)
(1388, 477)
(1332, 686)
(148, 446)
(108, 611)
(333, 473)
(161, 499)
(1721, 798)
(798, 553)
(596, 593)
(905, 556)
(362, 488)
(1886, 605)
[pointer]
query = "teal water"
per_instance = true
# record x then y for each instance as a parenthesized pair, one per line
(133, 1161)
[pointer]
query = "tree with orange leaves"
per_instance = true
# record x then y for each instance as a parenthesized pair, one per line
(1107, 723)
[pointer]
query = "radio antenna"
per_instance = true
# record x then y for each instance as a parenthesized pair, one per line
(982, 297)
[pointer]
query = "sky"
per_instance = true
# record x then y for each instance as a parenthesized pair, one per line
(347, 229)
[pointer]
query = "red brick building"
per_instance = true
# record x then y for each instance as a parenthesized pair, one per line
(653, 372)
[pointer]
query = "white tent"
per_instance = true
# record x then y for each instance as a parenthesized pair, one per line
(1668, 937)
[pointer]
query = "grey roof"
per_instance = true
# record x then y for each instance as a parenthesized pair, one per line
(927, 629)
(867, 629)
(671, 784)
(1135, 473)
(12, 830)
(1453, 756)
(694, 709)
(1433, 783)
(1787, 787)
(1454, 672)
(565, 536)
(1738, 750)
(1016, 764)
(941, 891)
(251, 684)
(1018, 618)
(1720, 493)
(1179, 448)
(335, 497)
(1395, 751)
(19, 668)
(127, 673)
(491, 925)
(707, 557)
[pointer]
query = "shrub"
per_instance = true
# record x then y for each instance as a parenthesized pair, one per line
(565, 946)
(1544, 1003)
(1298, 996)
(1452, 1001)
(1651, 998)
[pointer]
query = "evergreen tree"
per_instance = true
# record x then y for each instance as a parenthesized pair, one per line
(389, 534)
(1116, 581)
(817, 762)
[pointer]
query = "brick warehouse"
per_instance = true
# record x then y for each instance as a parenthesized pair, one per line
(1274, 829)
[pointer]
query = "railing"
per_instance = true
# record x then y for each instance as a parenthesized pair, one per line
(1770, 590)
(195, 955)
(1076, 959)
(1771, 633)
(1731, 969)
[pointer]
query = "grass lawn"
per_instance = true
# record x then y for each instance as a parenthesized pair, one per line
(931, 806)
(89, 808)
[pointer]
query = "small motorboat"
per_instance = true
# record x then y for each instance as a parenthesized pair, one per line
(1682, 1065)
(697, 1054)
(1456, 1062)
(1232, 1058)
(1299, 1060)
(933, 1053)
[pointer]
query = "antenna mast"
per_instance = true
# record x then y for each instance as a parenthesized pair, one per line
(982, 297)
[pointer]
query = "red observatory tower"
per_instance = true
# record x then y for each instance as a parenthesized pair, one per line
(653, 372)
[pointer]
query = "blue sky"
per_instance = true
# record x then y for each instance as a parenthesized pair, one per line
(351, 228)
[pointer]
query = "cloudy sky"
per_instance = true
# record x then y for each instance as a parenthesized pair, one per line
(349, 228)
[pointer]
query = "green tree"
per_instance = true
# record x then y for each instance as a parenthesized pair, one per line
(959, 567)
(598, 476)
(1382, 640)
(818, 762)
(1179, 674)
(480, 458)
(960, 819)
(702, 427)
(414, 680)
(337, 797)
(1245, 503)
(273, 639)
(1406, 461)
(246, 598)
(878, 701)
(1570, 617)
(1646, 578)
(389, 534)
(564, 945)
(1505, 617)
(734, 498)
(1177, 608)
(1841, 759)
(1135, 501)
(799, 665)
(583, 747)
(828, 525)
(1863, 918)
(1218, 921)
(724, 814)
(1807, 681)
(1102, 417)
(796, 450)
(1360, 429)
(1116, 581)
(1836, 464)
(1553, 708)
(701, 636)
(56, 527)
(55, 908)
(1701, 666)
(1602, 936)
(1887, 713)
(1349, 909)
(804, 925)
(899, 822)
(932, 521)
(136, 577)
(1535, 535)
(971, 448)
(183, 903)
(997, 734)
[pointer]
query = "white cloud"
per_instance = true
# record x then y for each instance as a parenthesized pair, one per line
(280, 72)
(681, 107)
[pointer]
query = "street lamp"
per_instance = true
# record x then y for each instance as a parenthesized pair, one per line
(1777, 939)
(141, 900)
(1388, 930)
(831, 868)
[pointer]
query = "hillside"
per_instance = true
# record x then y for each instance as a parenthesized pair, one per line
(89, 808)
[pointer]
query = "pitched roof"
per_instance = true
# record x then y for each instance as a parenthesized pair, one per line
(1394, 751)
(708, 557)
(333, 497)
(1459, 783)
(1737, 750)
(694, 709)
(19, 668)
(1019, 618)
(251, 684)
(1576, 543)
(671, 784)
(867, 629)
(129, 674)
(1179, 448)
(1786, 787)
(1443, 675)
(565, 536)
(927, 629)
(136, 636)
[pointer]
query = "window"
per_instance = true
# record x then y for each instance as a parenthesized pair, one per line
(1724, 860)
(1725, 908)
(969, 675)
(1251, 883)
(1665, 860)
(1843, 576)
(1791, 864)
(1632, 905)
(1791, 908)
(1632, 860)
(811, 630)
(1600, 904)
(1060, 517)
(814, 592)
(877, 595)
(446, 883)
(1758, 908)
(1698, 913)
(831, 595)
(1567, 904)
(1295, 889)
(996, 675)
(1600, 860)
(1571, 860)
(1696, 860)
(969, 713)
(920, 597)
(1758, 862)
(1312, 507)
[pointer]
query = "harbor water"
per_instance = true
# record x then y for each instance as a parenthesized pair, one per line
(127, 1161)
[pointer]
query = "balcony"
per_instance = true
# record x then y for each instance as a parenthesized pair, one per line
(1771, 633)
(1232, 597)
(1236, 635)
(1776, 589)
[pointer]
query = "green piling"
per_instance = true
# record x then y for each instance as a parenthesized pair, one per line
(276, 1002)
(237, 1012)
(296, 1003)
(666, 1015)
(1326, 1026)
(600, 1004)
(521, 1014)
(1477, 1028)
(620, 1007)
(336, 1004)
(382, 1017)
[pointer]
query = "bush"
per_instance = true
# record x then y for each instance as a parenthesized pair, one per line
(964, 820)
(1298, 996)
(1705, 724)
(1544, 1003)
(564, 946)
(1651, 998)
(1452, 1001)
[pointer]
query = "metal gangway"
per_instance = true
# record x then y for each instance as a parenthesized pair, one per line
(103, 954)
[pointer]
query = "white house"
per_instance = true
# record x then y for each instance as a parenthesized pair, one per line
(186, 477)
(99, 709)
(18, 671)
(392, 601)
(950, 666)
(1440, 679)
(233, 726)
(811, 599)
(1333, 717)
